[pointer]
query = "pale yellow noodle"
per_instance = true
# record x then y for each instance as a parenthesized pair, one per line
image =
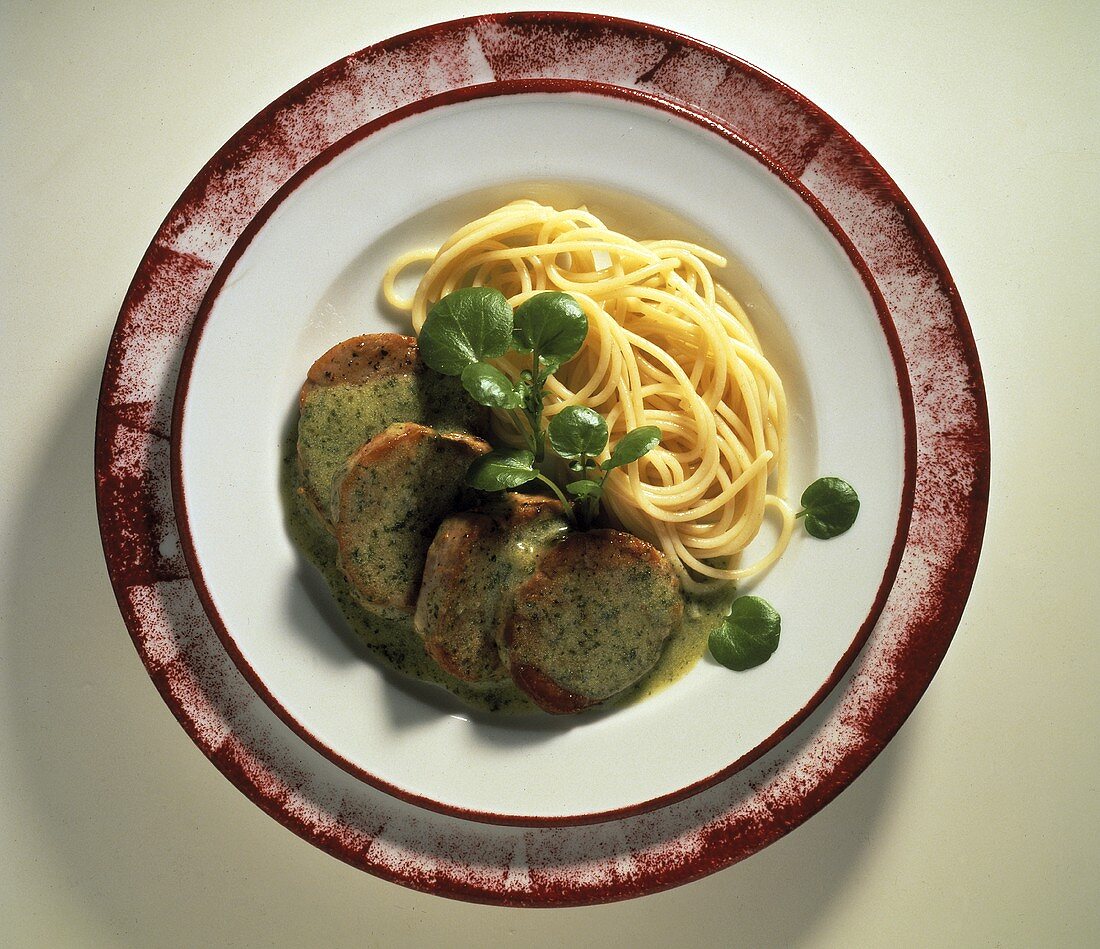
(667, 346)
(389, 290)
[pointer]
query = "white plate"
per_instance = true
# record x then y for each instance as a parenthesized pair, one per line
(307, 275)
(161, 597)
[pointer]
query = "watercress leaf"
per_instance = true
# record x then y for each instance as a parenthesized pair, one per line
(576, 431)
(502, 469)
(487, 385)
(748, 636)
(466, 326)
(830, 507)
(552, 323)
(633, 445)
(585, 488)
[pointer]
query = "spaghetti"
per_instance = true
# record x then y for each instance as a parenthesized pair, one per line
(667, 346)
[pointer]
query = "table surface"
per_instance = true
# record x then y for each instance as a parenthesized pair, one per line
(977, 826)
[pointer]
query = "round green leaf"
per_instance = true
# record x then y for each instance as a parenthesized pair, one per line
(748, 636)
(577, 430)
(464, 327)
(830, 507)
(585, 488)
(502, 469)
(633, 445)
(487, 385)
(551, 323)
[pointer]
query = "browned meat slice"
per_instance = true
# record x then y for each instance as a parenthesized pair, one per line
(474, 565)
(397, 489)
(592, 620)
(357, 389)
(362, 359)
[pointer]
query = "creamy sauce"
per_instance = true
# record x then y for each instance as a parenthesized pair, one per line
(396, 645)
(337, 419)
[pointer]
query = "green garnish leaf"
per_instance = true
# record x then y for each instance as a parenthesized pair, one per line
(633, 445)
(552, 324)
(487, 385)
(585, 488)
(748, 636)
(577, 431)
(466, 326)
(502, 469)
(830, 507)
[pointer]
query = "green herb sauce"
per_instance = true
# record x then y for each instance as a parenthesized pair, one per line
(337, 419)
(395, 644)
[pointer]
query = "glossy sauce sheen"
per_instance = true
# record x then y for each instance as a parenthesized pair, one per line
(394, 642)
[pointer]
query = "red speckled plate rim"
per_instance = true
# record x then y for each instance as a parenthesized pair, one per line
(554, 865)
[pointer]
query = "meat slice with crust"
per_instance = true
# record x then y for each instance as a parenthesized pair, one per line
(357, 389)
(361, 359)
(397, 489)
(474, 565)
(592, 620)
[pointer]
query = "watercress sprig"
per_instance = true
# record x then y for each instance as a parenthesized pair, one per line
(552, 327)
(579, 434)
(466, 329)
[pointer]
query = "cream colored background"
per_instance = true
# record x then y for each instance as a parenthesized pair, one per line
(978, 826)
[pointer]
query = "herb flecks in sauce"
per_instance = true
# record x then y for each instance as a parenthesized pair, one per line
(394, 643)
(476, 558)
(337, 419)
(398, 488)
(593, 619)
